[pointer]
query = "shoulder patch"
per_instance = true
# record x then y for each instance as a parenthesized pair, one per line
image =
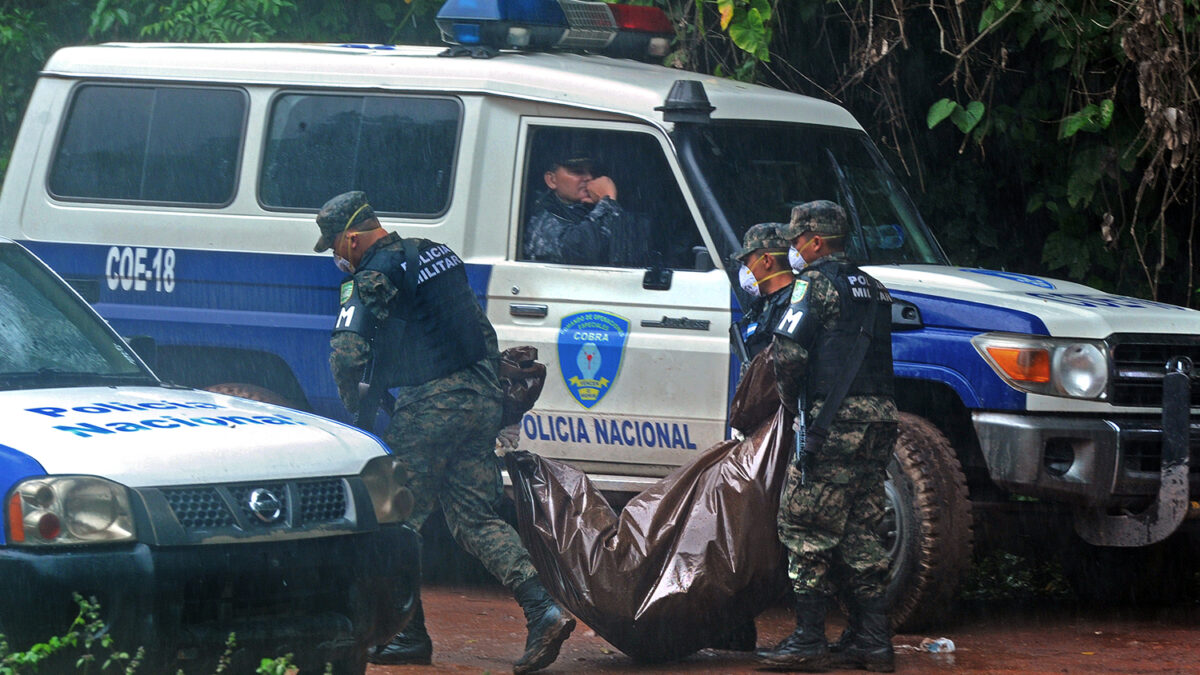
(347, 291)
(799, 290)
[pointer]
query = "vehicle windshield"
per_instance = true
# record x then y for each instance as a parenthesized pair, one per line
(51, 338)
(758, 171)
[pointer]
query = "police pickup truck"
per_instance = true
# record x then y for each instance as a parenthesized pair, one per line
(175, 187)
(187, 515)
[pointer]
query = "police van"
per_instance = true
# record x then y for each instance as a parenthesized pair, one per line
(186, 515)
(175, 186)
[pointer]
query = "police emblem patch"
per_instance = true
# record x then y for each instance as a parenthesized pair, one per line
(590, 346)
(799, 290)
(347, 291)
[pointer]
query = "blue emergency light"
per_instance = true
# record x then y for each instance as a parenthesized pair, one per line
(588, 25)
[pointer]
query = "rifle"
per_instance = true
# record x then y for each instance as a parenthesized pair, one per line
(368, 406)
(801, 446)
(739, 346)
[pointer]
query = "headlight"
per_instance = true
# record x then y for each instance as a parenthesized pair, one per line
(1051, 366)
(392, 501)
(63, 510)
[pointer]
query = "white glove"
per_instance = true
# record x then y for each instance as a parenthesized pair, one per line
(508, 438)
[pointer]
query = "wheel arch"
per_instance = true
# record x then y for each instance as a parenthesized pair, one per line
(203, 367)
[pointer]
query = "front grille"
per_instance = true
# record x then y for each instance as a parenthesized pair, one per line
(207, 509)
(322, 501)
(1139, 363)
(199, 508)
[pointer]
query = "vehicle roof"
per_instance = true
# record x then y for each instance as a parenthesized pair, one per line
(583, 80)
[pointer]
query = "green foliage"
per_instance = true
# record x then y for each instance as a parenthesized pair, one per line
(280, 665)
(86, 640)
(1007, 576)
(965, 118)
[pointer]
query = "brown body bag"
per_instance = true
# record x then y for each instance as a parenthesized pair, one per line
(688, 561)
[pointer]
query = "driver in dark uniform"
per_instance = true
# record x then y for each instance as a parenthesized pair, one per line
(409, 312)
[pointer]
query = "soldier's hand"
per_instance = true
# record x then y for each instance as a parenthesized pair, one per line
(508, 438)
(601, 187)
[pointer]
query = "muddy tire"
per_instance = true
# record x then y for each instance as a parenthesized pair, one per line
(927, 528)
(252, 392)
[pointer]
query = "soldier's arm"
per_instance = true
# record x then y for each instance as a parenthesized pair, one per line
(812, 310)
(350, 351)
(587, 242)
(348, 357)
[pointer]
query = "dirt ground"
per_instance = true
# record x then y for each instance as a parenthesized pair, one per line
(479, 629)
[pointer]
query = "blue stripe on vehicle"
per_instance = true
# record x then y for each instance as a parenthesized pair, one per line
(948, 312)
(942, 351)
(15, 465)
(263, 302)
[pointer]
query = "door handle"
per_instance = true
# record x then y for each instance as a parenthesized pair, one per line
(527, 310)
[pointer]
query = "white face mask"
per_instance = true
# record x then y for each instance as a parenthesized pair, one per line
(796, 260)
(747, 281)
(343, 264)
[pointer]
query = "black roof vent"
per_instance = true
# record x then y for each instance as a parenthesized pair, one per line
(687, 102)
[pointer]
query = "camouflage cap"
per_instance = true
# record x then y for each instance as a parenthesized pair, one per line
(821, 217)
(762, 235)
(338, 214)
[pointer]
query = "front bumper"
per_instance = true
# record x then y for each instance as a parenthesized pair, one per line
(319, 598)
(1089, 462)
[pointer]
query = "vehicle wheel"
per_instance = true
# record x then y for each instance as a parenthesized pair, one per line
(927, 527)
(252, 392)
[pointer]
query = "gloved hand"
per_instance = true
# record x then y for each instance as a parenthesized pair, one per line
(508, 438)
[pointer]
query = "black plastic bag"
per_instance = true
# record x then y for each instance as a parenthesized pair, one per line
(688, 561)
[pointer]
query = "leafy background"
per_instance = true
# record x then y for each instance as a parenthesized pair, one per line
(1038, 136)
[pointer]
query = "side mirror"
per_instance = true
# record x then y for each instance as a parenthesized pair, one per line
(703, 260)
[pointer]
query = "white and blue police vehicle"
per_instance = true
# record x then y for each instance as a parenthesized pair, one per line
(175, 187)
(187, 515)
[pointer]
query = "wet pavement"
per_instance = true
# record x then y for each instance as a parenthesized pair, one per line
(479, 629)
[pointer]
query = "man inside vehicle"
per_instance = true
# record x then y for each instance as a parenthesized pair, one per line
(574, 221)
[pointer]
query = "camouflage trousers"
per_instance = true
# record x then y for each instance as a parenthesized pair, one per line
(830, 525)
(446, 448)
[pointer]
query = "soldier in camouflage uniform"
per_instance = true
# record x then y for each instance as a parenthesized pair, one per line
(575, 220)
(409, 314)
(833, 497)
(765, 261)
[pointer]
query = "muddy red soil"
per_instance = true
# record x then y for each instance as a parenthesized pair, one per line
(478, 629)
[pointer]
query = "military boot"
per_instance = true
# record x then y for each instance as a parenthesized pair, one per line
(867, 642)
(850, 633)
(410, 646)
(548, 624)
(805, 649)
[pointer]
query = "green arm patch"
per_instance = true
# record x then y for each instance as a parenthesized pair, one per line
(799, 290)
(347, 291)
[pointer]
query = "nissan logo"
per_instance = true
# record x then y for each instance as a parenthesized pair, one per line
(1181, 364)
(265, 506)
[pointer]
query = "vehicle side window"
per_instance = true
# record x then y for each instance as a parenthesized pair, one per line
(150, 144)
(652, 225)
(398, 149)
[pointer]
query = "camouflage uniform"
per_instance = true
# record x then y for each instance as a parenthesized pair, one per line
(443, 432)
(830, 524)
(578, 233)
(764, 311)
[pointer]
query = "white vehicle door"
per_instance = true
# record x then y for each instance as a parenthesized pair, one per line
(638, 357)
